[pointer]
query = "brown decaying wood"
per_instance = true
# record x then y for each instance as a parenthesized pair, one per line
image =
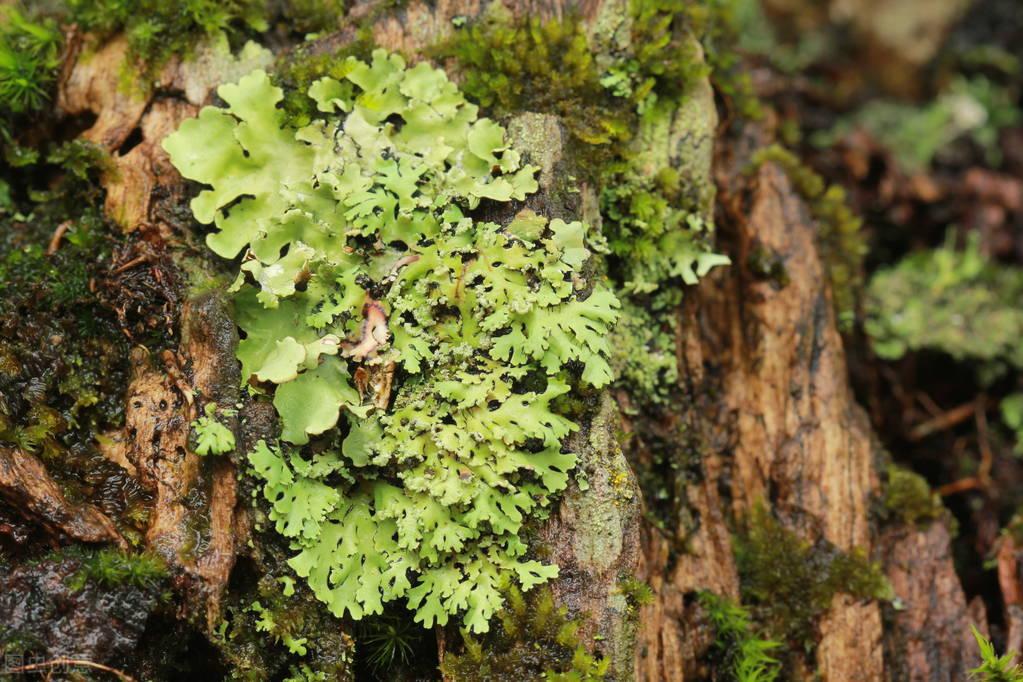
(27, 487)
(929, 638)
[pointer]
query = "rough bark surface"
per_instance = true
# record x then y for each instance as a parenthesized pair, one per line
(929, 638)
(27, 487)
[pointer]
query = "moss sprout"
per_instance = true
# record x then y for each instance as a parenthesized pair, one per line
(994, 668)
(29, 57)
(738, 649)
(535, 639)
(112, 567)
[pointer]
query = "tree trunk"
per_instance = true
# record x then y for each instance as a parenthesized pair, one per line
(761, 423)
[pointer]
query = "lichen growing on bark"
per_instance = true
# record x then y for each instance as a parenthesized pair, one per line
(362, 257)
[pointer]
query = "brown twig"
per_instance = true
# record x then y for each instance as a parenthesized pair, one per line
(58, 235)
(943, 421)
(130, 264)
(962, 485)
(986, 456)
(45, 665)
(983, 478)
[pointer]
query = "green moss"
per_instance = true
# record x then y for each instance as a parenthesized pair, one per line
(789, 582)
(29, 57)
(841, 242)
(637, 593)
(536, 639)
(719, 26)
(533, 65)
(156, 30)
(737, 650)
(994, 668)
(112, 567)
(907, 496)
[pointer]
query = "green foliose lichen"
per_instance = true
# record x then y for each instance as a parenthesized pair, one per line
(535, 639)
(951, 300)
(415, 347)
(789, 582)
(617, 92)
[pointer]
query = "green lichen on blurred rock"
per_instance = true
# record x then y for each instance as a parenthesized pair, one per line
(535, 639)
(788, 582)
(737, 648)
(1011, 409)
(951, 300)
(841, 243)
(975, 109)
(908, 497)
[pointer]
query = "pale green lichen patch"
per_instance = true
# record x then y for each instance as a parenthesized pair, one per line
(951, 300)
(417, 348)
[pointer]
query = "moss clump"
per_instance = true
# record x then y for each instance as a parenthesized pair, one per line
(537, 66)
(719, 25)
(274, 627)
(789, 582)
(637, 593)
(907, 496)
(737, 648)
(156, 30)
(111, 567)
(535, 639)
(841, 242)
(29, 57)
